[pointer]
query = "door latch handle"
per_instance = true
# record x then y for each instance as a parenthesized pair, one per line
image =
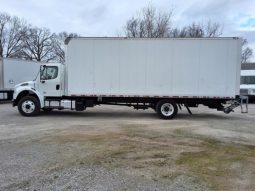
(57, 87)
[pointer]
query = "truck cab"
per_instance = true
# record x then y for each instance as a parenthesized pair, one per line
(51, 81)
(30, 96)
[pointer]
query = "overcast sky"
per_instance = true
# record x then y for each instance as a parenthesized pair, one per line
(107, 17)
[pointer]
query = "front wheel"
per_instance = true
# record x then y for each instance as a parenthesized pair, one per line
(167, 109)
(29, 106)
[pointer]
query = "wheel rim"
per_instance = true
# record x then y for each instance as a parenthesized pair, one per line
(28, 106)
(167, 109)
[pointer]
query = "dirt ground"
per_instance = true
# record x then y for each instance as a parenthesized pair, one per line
(118, 148)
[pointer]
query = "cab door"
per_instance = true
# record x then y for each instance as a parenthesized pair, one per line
(50, 84)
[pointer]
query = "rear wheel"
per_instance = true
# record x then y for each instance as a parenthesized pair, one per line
(29, 106)
(167, 109)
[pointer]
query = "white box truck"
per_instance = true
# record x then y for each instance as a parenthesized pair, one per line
(159, 73)
(14, 71)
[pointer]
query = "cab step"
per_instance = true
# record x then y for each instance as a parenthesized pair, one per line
(54, 107)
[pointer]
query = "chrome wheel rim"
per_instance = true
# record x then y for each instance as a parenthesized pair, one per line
(28, 106)
(167, 109)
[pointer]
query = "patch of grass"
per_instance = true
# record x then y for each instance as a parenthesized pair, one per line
(133, 150)
(214, 163)
(161, 155)
(180, 132)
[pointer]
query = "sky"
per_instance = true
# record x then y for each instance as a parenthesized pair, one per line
(107, 17)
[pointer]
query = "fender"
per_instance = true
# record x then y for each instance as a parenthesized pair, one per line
(21, 89)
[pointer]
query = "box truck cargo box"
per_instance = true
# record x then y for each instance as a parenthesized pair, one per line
(247, 86)
(154, 67)
(13, 72)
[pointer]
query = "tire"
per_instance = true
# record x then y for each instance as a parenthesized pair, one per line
(29, 106)
(167, 109)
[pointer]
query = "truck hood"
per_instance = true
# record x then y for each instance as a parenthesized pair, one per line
(28, 83)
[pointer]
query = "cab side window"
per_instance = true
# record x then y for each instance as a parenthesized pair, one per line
(49, 73)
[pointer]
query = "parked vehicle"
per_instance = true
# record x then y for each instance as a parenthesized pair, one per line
(13, 72)
(163, 74)
(247, 86)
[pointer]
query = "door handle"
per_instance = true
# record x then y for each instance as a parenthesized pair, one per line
(57, 87)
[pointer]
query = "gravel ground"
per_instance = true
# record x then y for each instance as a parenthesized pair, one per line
(59, 150)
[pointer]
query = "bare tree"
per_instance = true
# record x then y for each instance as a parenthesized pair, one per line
(39, 45)
(132, 28)
(42, 45)
(59, 45)
(12, 30)
(246, 51)
(16, 32)
(178, 33)
(213, 29)
(4, 20)
(153, 24)
(149, 23)
(20, 40)
(197, 30)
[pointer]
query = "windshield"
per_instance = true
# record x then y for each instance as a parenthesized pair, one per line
(247, 79)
